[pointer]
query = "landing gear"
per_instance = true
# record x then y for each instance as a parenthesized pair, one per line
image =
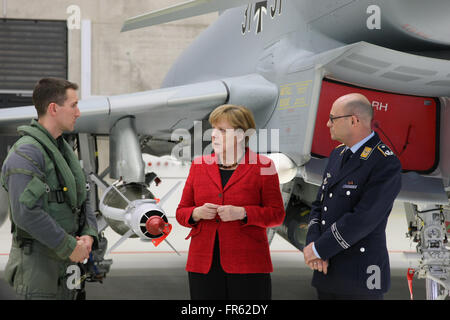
(427, 227)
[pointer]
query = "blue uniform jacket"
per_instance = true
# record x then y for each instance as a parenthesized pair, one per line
(348, 219)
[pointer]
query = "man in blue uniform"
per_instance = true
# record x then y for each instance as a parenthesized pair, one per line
(346, 240)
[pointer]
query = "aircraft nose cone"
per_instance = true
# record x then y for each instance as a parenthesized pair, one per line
(155, 225)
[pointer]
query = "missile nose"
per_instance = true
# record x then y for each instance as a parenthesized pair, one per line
(155, 225)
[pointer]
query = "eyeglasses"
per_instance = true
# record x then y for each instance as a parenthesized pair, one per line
(334, 118)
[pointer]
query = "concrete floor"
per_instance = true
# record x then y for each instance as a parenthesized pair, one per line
(170, 283)
(142, 271)
(288, 283)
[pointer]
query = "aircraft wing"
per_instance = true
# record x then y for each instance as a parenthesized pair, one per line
(159, 112)
(373, 66)
(181, 11)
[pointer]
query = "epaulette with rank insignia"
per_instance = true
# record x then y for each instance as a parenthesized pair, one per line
(385, 151)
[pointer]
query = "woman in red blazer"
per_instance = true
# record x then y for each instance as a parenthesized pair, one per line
(229, 199)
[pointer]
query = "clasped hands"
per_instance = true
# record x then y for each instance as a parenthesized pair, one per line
(226, 213)
(82, 249)
(313, 261)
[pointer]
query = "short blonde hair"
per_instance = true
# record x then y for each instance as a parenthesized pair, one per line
(239, 117)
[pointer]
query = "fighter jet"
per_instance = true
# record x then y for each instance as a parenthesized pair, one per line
(287, 61)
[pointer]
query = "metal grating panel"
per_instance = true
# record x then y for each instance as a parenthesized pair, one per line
(399, 76)
(356, 66)
(15, 100)
(416, 71)
(30, 50)
(368, 60)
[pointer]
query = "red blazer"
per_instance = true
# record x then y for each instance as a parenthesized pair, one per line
(244, 247)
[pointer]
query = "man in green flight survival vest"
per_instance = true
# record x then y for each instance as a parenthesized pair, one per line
(53, 226)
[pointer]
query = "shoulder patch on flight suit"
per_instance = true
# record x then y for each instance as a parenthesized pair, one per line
(385, 151)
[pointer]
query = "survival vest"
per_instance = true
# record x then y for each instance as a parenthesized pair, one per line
(63, 184)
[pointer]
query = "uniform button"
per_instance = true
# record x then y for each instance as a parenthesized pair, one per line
(347, 193)
(220, 195)
(217, 220)
(362, 249)
(325, 209)
(323, 222)
(323, 187)
(331, 195)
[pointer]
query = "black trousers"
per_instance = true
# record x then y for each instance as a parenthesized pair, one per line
(333, 296)
(219, 285)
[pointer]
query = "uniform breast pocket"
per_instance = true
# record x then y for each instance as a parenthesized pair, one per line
(347, 193)
(349, 188)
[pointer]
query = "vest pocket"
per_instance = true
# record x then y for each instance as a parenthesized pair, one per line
(64, 217)
(33, 192)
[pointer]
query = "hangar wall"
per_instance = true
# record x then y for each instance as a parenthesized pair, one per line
(121, 62)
